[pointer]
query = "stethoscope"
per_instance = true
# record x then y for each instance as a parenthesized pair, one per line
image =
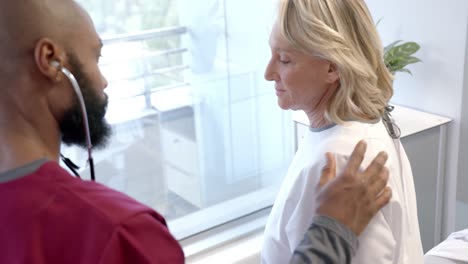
(76, 87)
(392, 128)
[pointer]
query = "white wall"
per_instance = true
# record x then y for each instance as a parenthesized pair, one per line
(440, 26)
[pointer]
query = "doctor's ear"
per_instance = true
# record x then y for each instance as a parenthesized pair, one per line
(48, 56)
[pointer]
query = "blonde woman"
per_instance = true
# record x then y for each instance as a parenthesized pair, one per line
(327, 61)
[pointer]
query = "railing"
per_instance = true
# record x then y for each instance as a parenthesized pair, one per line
(146, 34)
(146, 57)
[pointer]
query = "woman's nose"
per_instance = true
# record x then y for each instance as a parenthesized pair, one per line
(269, 72)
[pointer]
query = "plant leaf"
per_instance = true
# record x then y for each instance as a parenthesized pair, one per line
(398, 55)
(390, 46)
(406, 70)
(378, 22)
(411, 60)
(407, 48)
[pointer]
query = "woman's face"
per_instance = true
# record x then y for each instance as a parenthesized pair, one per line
(302, 81)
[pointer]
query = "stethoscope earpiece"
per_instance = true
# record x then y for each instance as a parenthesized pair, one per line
(55, 64)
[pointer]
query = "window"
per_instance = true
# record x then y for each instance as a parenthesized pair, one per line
(198, 135)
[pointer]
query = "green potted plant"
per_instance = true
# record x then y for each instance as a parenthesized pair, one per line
(398, 55)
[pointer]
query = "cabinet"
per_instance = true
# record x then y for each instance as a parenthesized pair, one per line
(180, 159)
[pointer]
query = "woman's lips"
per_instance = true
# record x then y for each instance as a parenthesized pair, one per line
(280, 92)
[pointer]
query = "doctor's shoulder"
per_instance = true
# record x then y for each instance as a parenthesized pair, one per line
(136, 229)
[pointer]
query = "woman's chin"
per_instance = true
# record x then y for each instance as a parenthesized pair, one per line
(283, 105)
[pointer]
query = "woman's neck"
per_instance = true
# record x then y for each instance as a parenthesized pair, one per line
(317, 119)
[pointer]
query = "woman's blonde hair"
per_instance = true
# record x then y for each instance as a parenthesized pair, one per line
(343, 32)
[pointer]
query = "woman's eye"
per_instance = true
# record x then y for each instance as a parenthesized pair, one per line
(285, 61)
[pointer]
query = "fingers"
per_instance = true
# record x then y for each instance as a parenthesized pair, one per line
(383, 199)
(372, 172)
(377, 184)
(329, 170)
(356, 157)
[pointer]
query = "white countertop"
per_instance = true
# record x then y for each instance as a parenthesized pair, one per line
(409, 120)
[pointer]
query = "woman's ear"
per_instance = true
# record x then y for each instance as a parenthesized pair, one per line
(47, 55)
(333, 73)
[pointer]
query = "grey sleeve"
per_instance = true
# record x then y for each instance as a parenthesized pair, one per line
(326, 241)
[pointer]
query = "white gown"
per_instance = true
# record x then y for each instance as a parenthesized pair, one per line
(393, 234)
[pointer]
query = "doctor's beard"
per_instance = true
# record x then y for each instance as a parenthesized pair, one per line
(72, 124)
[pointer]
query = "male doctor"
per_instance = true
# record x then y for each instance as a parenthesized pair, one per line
(48, 216)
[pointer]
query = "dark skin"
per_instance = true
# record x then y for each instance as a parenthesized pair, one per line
(354, 197)
(34, 94)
